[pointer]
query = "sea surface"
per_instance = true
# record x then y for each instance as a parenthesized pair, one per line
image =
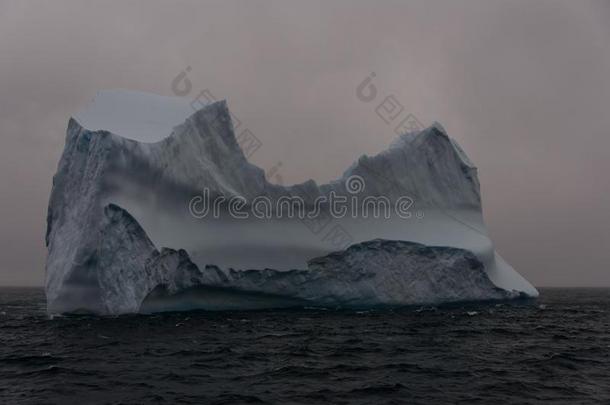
(555, 350)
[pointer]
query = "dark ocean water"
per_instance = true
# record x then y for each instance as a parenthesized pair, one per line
(554, 350)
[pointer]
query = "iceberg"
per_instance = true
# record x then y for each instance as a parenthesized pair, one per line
(155, 207)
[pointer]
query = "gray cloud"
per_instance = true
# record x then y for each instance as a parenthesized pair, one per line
(522, 85)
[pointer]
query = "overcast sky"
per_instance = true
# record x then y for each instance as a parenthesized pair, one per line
(523, 86)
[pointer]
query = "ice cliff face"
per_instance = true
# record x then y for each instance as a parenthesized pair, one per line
(119, 195)
(373, 273)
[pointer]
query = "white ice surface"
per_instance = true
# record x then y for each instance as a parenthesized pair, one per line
(143, 117)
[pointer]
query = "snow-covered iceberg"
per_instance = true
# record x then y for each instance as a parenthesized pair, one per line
(132, 185)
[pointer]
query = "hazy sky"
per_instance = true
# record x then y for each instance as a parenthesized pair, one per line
(524, 86)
